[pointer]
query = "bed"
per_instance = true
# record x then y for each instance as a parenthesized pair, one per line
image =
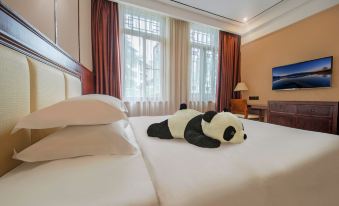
(34, 74)
(275, 166)
(92, 180)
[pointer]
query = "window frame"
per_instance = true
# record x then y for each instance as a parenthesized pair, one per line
(204, 48)
(151, 37)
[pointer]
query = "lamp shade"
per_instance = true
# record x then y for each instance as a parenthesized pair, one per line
(241, 86)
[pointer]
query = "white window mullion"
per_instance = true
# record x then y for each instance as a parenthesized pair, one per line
(203, 72)
(144, 68)
(141, 54)
(205, 39)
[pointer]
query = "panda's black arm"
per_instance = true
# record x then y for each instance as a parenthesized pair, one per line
(201, 140)
(160, 130)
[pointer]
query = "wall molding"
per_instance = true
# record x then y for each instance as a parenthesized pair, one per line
(187, 14)
(19, 35)
(286, 18)
(282, 15)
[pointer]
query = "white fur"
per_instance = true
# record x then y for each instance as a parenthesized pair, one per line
(177, 123)
(216, 128)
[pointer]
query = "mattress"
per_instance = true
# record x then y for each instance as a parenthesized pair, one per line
(276, 165)
(92, 180)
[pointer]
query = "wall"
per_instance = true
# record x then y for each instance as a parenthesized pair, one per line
(314, 37)
(67, 26)
(277, 17)
(33, 10)
(187, 14)
(85, 33)
(65, 22)
(284, 14)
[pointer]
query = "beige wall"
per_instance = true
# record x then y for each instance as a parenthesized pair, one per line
(85, 33)
(314, 37)
(58, 20)
(67, 26)
(33, 10)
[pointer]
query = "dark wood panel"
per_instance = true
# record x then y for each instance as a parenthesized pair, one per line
(281, 107)
(282, 119)
(315, 116)
(87, 80)
(317, 124)
(315, 110)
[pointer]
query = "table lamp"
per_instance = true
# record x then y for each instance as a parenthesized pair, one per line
(241, 86)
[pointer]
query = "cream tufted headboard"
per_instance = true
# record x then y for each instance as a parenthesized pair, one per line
(26, 86)
(34, 73)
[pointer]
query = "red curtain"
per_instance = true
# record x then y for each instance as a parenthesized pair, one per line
(229, 69)
(105, 47)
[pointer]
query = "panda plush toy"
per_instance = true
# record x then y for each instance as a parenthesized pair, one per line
(201, 129)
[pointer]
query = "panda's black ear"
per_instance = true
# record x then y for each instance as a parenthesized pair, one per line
(225, 110)
(183, 106)
(208, 116)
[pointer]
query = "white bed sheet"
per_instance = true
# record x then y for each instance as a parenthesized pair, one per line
(84, 181)
(275, 166)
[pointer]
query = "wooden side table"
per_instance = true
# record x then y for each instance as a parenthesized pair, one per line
(261, 110)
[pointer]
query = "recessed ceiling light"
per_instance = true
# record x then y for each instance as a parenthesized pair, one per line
(245, 19)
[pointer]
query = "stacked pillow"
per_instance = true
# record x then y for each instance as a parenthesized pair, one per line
(91, 125)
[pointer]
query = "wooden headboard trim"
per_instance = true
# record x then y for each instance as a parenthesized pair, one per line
(87, 79)
(21, 36)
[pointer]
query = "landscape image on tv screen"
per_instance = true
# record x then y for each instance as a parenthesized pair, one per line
(310, 74)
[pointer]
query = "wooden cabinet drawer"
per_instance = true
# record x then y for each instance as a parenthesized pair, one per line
(317, 124)
(281, 107)
(282, 119)
(315, 116)
(315, 110)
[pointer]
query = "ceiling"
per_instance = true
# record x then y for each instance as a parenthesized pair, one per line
(235, 10)
(263, 16)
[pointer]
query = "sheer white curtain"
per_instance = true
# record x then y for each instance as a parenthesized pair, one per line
(166, 62)
(178, 62)
(203, 67)
(144, 75)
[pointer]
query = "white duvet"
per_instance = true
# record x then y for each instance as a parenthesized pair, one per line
(275, 166)
(84, 181)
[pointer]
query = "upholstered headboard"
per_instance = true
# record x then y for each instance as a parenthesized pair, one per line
(34, 73)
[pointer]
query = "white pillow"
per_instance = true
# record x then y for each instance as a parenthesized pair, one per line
(75, 141)
(83, 110)
(113, 101)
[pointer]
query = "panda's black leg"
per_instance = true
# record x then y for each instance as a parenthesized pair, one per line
(160, 130)
(201, 140)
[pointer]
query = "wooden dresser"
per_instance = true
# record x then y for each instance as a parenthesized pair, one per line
(314, 116)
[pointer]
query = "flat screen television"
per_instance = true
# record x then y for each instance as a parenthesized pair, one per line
(315, 73)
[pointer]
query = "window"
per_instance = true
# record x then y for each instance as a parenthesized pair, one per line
(203, 65)
(142, 50)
